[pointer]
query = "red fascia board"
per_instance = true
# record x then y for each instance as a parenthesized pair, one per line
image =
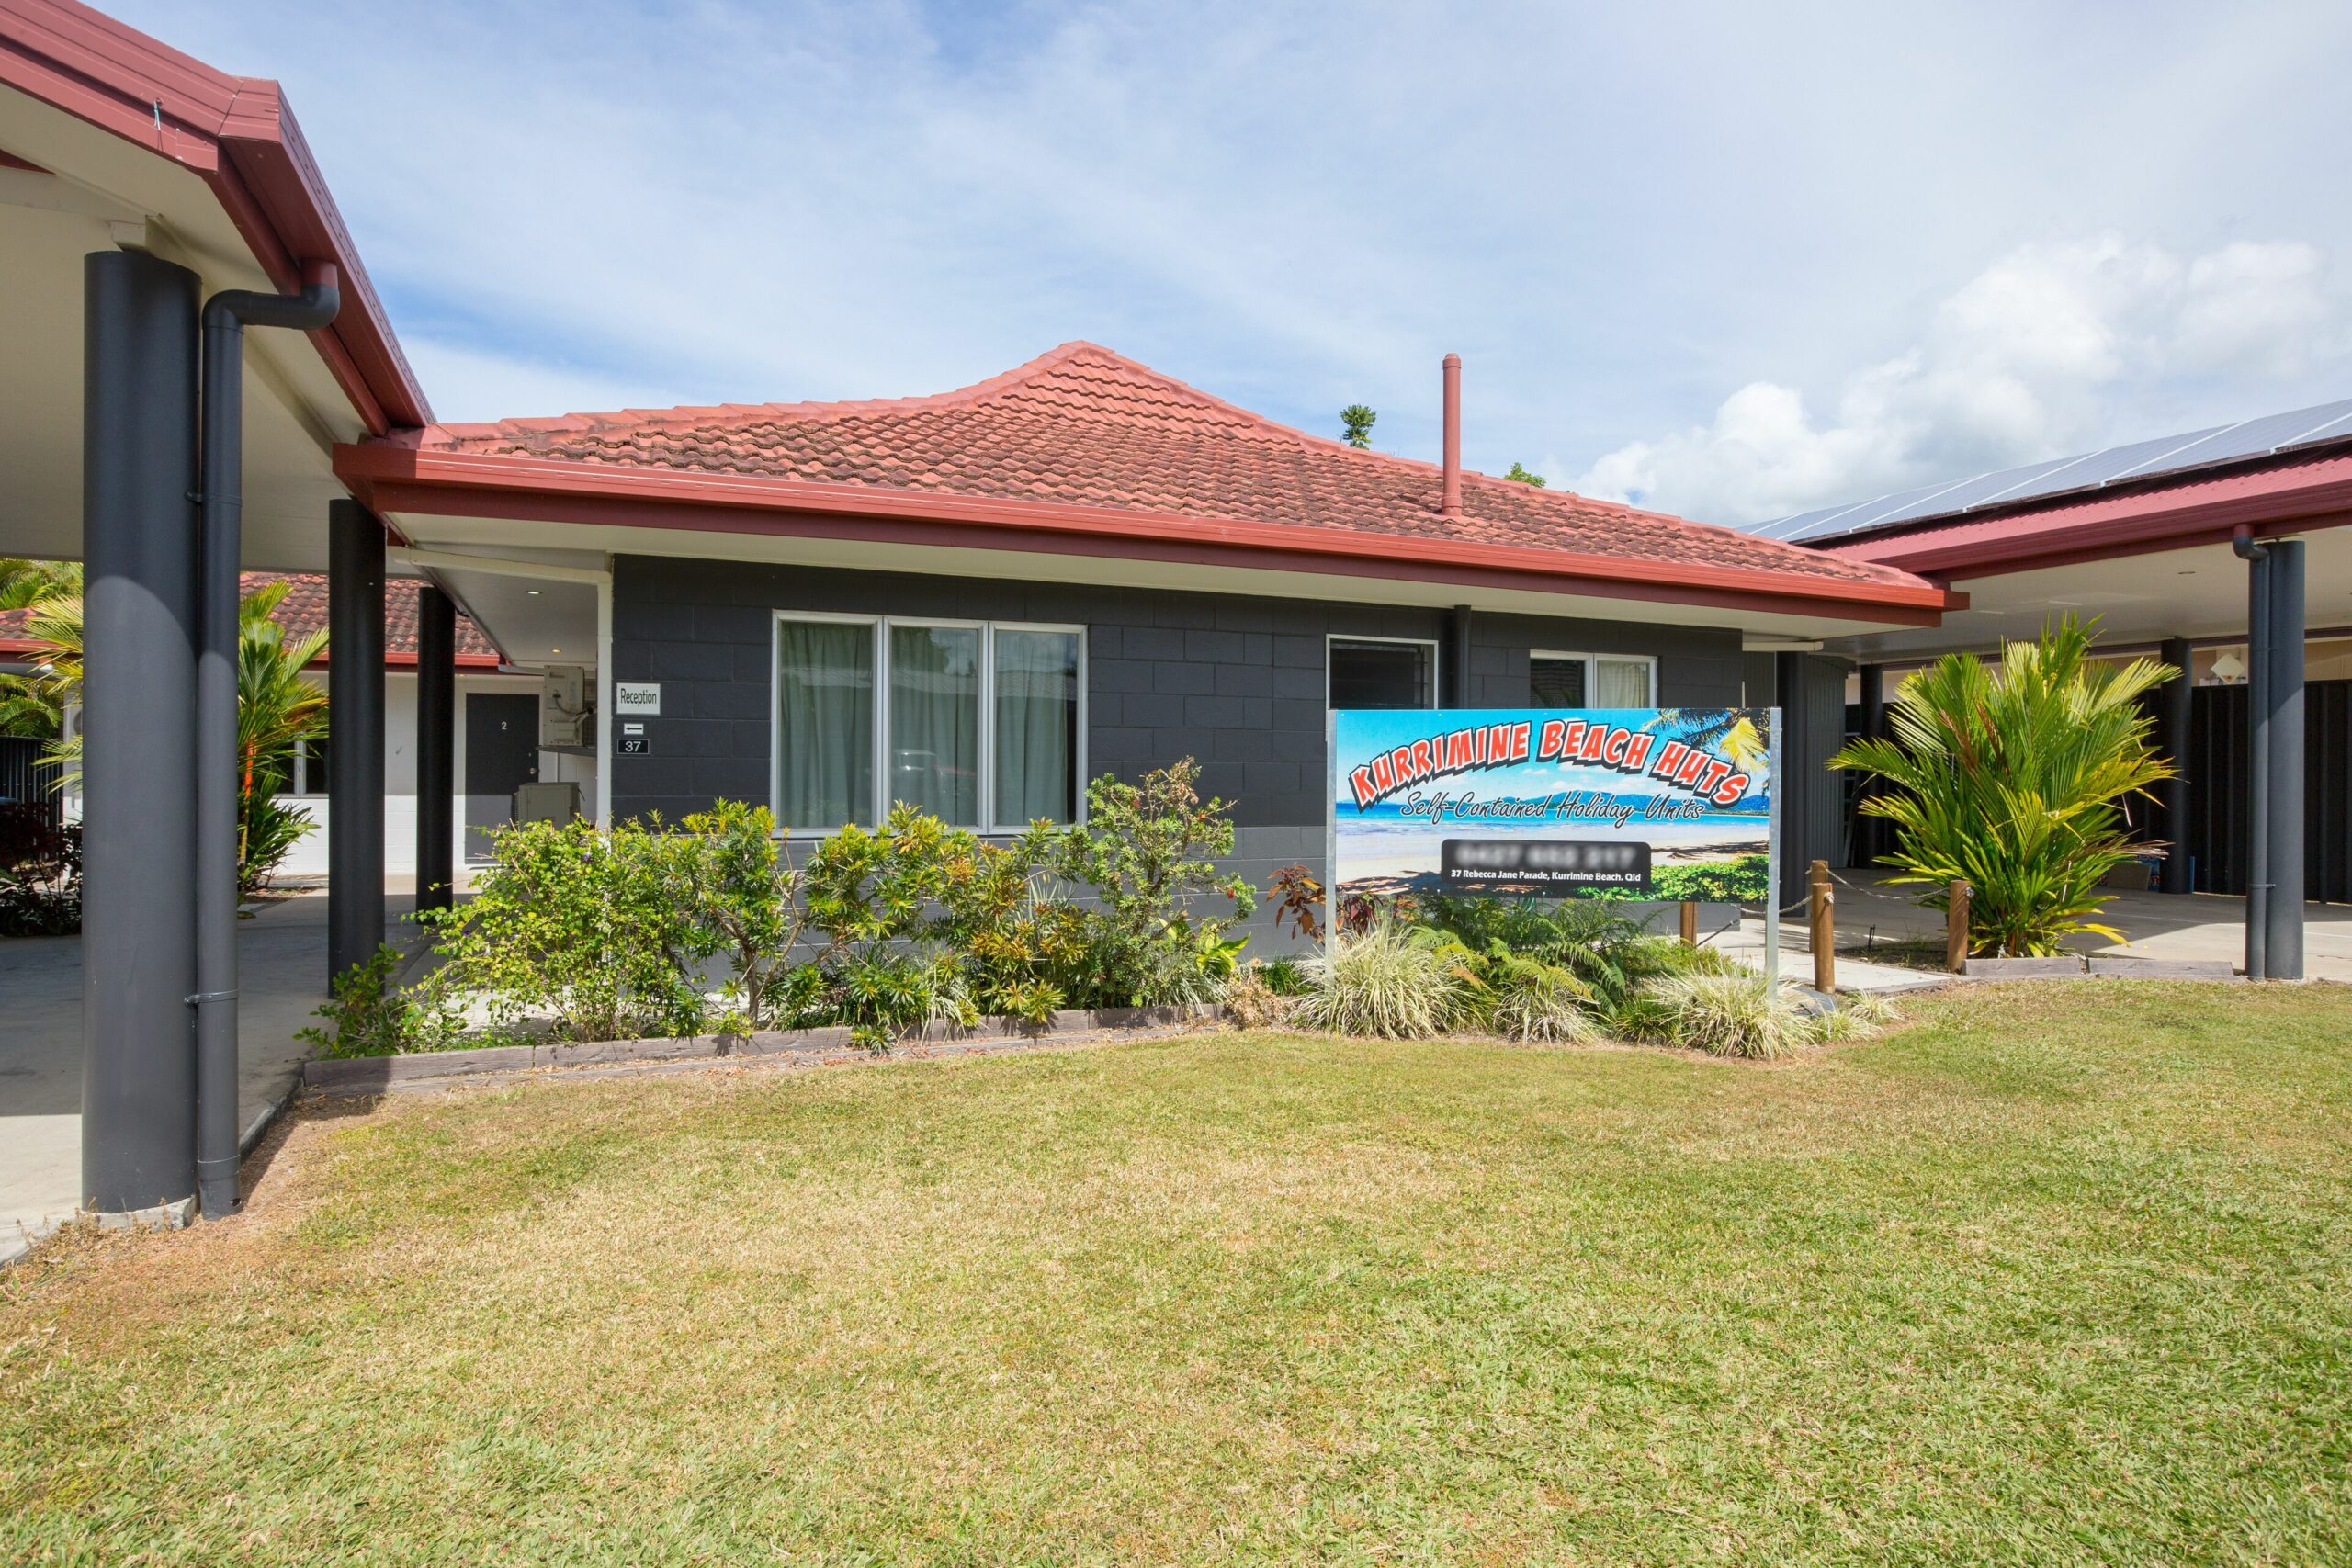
(398, 478)
(2302, 499)
(238, 135)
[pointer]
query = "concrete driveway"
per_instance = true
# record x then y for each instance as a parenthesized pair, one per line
(2159, 925)
(281, 958)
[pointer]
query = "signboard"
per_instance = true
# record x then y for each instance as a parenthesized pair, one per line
(642, 698)
(1664, 804)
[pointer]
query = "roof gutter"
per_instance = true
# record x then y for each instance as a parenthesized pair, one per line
(401, 478)
(236, 134)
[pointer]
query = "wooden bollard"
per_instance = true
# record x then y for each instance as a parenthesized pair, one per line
(1956, 926)
(1821, 904)
(1690, 923)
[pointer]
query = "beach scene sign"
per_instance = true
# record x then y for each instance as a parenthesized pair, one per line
(1655, 804)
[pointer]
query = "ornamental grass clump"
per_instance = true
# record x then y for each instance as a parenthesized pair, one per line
(2014, 777)
(1392, 982)
(1730, 1015)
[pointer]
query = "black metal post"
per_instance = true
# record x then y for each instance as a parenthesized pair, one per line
(2172, 740)
(2258, 760)
(354, 735)
(1457, 658)
(436, 755)
(1870, 833)
(139, 431)
(1798, 777)
(2283, 924)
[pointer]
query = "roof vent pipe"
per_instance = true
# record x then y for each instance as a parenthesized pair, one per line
(1449, 504)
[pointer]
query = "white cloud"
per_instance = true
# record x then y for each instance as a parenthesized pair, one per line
(2017, 365)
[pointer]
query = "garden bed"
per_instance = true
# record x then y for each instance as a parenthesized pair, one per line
(365, 1075)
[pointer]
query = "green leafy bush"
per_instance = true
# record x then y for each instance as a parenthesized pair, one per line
(741, 898)
(2012, 778)
(589, 929)
(1147, 851)
(371, 1016)
(40, 874)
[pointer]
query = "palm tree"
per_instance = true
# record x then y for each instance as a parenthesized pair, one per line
(276, 708)
(34, 703)
(2012, 777)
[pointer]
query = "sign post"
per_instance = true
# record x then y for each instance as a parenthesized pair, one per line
(1658, 805)
(1772, 871)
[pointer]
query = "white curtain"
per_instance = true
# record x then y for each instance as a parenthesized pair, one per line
(1621, 682)
(825, 724)
(1037, 726)
(935, 721)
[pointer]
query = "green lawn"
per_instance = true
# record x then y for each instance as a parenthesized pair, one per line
(2054, 1274)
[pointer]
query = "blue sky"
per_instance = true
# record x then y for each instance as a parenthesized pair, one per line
(1730, 260)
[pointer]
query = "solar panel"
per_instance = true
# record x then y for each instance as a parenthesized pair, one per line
(2137, 460)
(1971, 492)
(2336, 421)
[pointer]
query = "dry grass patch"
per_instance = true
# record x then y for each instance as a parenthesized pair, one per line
(2030, 1280)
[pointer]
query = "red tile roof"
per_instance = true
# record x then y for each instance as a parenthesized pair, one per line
(1087, 427)
(304, 611)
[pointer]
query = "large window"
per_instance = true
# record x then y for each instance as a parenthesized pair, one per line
(1591, 680)
(1381, 672)
(979, 722)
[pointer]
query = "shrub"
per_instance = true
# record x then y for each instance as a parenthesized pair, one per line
(1526, 998)
(1251, 1003)
(40, 874)
(1283, 977)
(1297, 894)
(371, 1016)
(583, 925)
(1146, 850)
(1735, 1013)
(268, 833)
(1395, 981)
(2012, 778)
(742, 897)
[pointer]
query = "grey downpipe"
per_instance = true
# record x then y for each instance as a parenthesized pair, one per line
(220, 519)
(2256, 555)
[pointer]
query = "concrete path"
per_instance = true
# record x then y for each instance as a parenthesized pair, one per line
(2157, 925)
(281, 960)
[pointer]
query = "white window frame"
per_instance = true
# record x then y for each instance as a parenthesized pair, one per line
(1591, 662)
(301, 748)
(986, 826)
(1437, 674)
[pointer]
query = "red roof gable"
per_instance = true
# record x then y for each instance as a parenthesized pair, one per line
(304, 611)
(1085, 427)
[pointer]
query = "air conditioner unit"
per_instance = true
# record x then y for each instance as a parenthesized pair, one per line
(547, 802)
(567, 715)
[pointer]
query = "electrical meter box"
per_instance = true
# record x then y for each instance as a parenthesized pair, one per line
(567, 715)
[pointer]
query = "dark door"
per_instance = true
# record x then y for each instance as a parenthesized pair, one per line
(502, 755)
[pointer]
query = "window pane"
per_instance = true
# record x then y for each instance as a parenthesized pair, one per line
(824, 724)
(935, 721)
(1623, 682)
(1037, 726)
(1555, 683)
(1381, 675)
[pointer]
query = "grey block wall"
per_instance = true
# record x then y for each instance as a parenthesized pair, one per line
(1234, 681)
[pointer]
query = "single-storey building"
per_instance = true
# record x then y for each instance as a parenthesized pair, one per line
(972, 600)
(978, 599)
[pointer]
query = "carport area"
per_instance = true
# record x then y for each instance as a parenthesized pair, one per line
(281, 952)
(190, 333)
